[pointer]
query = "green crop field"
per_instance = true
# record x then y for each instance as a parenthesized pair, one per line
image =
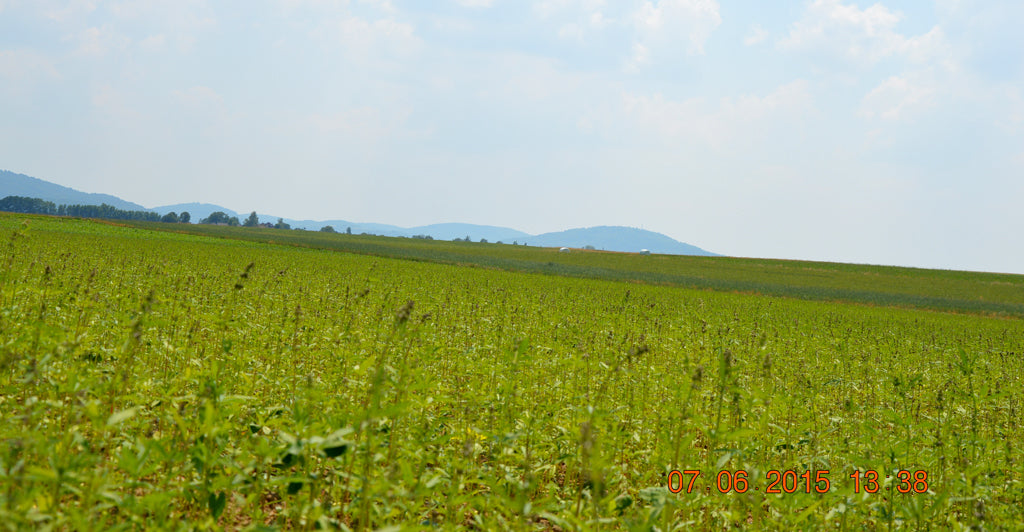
(224, 378)
(989, 293)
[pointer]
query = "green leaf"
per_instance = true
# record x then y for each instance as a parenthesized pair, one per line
(216, 503)
(335, 450)
(119, 417)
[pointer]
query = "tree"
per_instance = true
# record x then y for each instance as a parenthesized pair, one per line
(23, 205)
(281, 224)
(108, 212)
(348, 231)
(233, 221)
(327, 229)
(170, 218)
(252, 220)
(483, 240)
(184, 217)
(215, 218)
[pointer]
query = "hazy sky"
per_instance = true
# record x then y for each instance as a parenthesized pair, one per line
(886, 133)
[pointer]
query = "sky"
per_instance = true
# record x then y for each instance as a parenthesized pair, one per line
(880, 133)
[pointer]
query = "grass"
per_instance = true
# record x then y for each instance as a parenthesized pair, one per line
(151, 379)
(944, 290)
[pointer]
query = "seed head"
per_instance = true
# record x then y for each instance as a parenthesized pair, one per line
(403, 313)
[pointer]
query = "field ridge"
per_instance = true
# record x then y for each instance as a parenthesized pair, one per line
(940, 290)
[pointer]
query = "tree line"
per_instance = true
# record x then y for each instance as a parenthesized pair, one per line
(24, 205)
(222, 218)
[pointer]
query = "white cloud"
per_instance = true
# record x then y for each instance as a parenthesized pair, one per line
(360, 124)
(571, 31)
(114, 105)
(641, 57)
(1002, 102)
(899, 96)
(334, 8)
(577, 18)
(199, 96)
(185, 15)
(1018, 160)
(863, 36)
(360, 38)
(154, 43)
(1016, 107)
(756, 35)
(729, 123)
(21, 72)
(66, 11)
(551, 8)
(842, 35)
(515, 79)
(932, 47)
(475, 3)
(662, 25)
(320, 5)
(96, 42)
(25, 66)
(452, 25)
(179, 22)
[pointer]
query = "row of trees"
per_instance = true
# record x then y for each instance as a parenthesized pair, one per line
(174, 218)
(482, 240)
(222, 218)
(330, 229)
(23, 205)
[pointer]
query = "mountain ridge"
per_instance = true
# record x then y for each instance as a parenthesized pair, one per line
(603, 237)
(14, 184)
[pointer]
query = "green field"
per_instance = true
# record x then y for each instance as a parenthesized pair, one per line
(231, 378)
(989, 293)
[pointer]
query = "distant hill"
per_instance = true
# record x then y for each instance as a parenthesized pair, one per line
(617, 238)
(341, 225)
(12, 184)
(452, 231)
(196, 211)
(608, 238)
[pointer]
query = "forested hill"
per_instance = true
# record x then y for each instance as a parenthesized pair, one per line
(605, 238)
(12, 184)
